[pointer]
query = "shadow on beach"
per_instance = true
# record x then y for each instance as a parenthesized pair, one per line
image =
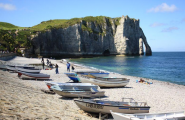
(114, 87)
(72, 98)
(36, 79)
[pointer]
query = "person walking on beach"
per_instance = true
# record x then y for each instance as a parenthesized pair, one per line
(42, 59)
(68, 66)
(43, 64)
(56, 66)
(47, 62)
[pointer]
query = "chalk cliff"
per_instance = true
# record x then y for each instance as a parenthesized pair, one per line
(91, 38)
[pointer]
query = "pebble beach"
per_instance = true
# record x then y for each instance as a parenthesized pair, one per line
(23, 99)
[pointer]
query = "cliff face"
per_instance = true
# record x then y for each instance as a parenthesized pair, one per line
(126, 38)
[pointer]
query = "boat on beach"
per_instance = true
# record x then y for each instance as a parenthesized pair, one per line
(26, 75)
(77, 91)
(149, 116)
(2, 66)
(74, 76)
(84, 86)
(13, 67)
(104, 106)
(35, 71)
(103, 82)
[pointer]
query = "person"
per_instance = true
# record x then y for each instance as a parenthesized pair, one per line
(47, 62)
(68, 66)
(73, 68)
(56, 66)
(43, 64)
(141, 81)
(42, 59)
(50, 65)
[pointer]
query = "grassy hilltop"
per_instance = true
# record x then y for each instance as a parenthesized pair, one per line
(12, 36)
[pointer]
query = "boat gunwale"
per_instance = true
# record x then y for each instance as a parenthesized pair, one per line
(112, 105)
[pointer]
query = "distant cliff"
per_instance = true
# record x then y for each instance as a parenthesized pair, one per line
(112, 36)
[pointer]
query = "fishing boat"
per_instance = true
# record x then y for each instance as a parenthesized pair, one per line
(35, 71)
(75, 78)
(84, 86)
(149, 116)
(104, 106)
(32, 75)
(13, 67)
(80, 91)
(103, 82)
(2, 66)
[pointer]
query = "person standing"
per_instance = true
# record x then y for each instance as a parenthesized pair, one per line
(56, 69)
(43, 64)
(42, 59)
(68, 66)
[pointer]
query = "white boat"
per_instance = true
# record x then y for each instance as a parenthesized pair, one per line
(104, 106)
(74, 76)
(82, 71)
(35, 71)
(149, 116)
(103, 82)
(32, 75)
(2, 66)
(13, 67)
(80, 91)
(84, 86)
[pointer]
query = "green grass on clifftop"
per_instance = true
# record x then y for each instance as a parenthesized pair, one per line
(61, 23)
(8, 26)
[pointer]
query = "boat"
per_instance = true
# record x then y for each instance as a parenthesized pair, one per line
(149, 116)
(2, 66)
(32, 75)
(103, 82)
(104, 106)
(35, 71)
(75, 78)
(82, 71)
(85, 86)
(77, 91)
(72, 76)
(13, 67)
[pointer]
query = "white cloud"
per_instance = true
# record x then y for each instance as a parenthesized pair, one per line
(163, 8)
(157, 24)
(7, 6)
(170, 29)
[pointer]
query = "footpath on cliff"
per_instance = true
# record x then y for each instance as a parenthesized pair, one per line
(23, 99)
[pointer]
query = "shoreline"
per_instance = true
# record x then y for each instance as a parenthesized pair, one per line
(93, 68)
(160, 96)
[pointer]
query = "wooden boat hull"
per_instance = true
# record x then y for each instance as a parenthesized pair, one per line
(3, 66)
(32, 76)
(79, 93)
(104, 83)
(35, 71)
(97, 74)
(84, 86)
(13, 68)
(149, 116)
(103, 108)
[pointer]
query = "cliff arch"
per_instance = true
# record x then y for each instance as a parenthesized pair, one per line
(106, 52)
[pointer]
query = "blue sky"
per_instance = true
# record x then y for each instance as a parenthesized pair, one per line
(163, 21)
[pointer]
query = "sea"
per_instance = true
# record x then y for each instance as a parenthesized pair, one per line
(162, 66)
